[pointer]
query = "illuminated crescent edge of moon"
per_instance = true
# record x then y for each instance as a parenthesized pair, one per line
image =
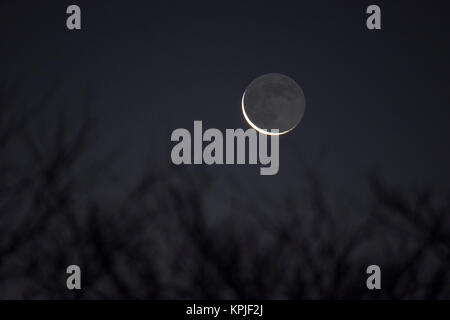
(263, 131)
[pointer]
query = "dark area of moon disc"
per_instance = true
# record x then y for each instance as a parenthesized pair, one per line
(273, 101)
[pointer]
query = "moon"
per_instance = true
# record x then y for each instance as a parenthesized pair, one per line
(273, 101)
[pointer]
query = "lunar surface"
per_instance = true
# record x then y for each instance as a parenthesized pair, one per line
(273, 101)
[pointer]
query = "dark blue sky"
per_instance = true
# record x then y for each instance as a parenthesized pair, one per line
(374, 99)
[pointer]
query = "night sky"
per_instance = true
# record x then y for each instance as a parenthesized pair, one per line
(376, 101)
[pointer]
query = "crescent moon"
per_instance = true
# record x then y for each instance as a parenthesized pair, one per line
(277, 102)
